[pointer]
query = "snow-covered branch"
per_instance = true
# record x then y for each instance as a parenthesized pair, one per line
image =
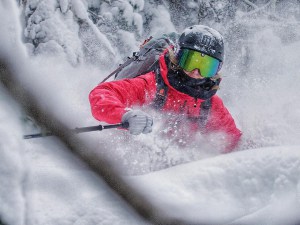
(250, 3)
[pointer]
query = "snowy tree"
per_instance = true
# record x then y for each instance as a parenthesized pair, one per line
(105, 31)
(92, 31)
(64, 28)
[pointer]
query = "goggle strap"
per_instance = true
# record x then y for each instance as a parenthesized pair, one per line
(172, 56)
(173, 59)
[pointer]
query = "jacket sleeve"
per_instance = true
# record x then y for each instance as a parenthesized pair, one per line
(110, 100)
(222, 121)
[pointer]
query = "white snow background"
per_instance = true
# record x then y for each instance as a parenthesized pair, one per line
(41, 183)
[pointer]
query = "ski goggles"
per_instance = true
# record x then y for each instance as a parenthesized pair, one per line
(189, 60)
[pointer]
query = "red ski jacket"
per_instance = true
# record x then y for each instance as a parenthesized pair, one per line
(110, 100)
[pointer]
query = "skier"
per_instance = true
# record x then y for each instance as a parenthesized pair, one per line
(183, 87)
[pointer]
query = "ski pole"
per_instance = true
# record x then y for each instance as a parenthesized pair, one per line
(78, 130)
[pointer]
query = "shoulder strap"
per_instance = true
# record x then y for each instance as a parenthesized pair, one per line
(121, 66)
(161, 90)
(204, 112)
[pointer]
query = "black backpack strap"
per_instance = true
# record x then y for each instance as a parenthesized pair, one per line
(161, 90)
(161, 97)
(204, 112)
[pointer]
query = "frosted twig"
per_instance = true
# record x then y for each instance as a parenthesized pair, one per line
(95, 15)
(259, 9)
(251, 4)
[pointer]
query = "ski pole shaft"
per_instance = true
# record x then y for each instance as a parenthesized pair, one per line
(78, 130)
(98, 128)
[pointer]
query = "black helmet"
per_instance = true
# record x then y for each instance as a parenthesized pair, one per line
(203, 39)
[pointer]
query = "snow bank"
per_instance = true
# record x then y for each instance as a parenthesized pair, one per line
(42, 184)
(247, 187)
(13, 165)
(61, 190)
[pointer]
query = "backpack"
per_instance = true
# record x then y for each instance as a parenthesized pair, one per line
(146, 60)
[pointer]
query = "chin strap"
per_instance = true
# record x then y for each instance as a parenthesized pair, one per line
(217, 78)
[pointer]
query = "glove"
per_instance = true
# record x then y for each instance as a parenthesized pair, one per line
(139, 122)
